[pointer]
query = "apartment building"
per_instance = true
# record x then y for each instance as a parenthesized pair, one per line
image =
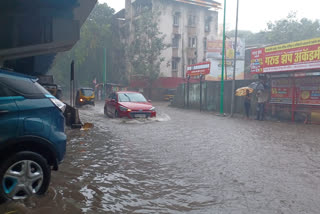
(187, 26)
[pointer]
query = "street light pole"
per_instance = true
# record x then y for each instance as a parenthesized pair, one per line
(234, 62)
(223, 55)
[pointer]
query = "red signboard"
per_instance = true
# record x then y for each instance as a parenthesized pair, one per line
(198, 69)
(302, 55)
(281, 91)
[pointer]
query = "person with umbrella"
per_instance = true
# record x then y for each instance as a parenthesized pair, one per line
(245, 91)
(247, 103)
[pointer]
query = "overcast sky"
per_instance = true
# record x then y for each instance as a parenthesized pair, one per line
(254, 14)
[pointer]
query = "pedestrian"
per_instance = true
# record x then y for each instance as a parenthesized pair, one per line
(247, 103)
(99, 94)
(262, 96)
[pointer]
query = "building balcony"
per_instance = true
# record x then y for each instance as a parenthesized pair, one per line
(175, 30)
(191, 52)
(175, 73)
(192, 30)
(175, 52)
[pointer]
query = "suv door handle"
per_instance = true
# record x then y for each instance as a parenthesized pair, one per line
(4, 111)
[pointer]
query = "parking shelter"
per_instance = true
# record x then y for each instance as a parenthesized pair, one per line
(293, 73)
(296, 94)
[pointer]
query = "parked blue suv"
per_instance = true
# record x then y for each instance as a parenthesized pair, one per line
(32, 138)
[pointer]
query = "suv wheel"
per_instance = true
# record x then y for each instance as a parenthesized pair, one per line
(22, 175)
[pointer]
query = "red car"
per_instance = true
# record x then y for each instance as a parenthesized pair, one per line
(128, 104)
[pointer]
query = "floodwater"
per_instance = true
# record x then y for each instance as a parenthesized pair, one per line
(183, 161)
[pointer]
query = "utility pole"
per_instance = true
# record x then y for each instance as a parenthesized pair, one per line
(72, 84)
(223, 55)
(182, 54)
(104, 71)
(183, 71)
(234, 62)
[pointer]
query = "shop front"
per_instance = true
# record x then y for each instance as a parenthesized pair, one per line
(293, 73)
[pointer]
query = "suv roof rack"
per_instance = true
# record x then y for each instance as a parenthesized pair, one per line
(7, 69)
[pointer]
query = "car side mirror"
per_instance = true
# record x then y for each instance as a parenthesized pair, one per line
(113, 100)
(149, 101)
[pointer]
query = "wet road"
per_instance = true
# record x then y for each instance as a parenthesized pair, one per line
(184, 162)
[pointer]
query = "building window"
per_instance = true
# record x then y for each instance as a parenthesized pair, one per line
(175, 41)
(207, 23)
(192, 61)
(207, 26)
(205, 44)
(192, 20)
(175, 63)
(176, 19)
(192, 42)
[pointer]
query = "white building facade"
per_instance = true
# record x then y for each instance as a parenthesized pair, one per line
(187, 26)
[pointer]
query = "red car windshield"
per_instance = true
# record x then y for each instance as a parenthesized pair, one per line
(131, 97)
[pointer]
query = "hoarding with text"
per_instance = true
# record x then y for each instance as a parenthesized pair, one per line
(302, 55)
(198, 69)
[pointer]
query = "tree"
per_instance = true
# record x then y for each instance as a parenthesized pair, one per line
(144, 52)
(241, 33)
(88, 54)
(282, 31)
(291, 29)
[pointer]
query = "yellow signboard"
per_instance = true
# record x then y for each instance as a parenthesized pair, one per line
(298, 44)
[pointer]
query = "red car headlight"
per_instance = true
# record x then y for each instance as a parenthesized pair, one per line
(122, 108)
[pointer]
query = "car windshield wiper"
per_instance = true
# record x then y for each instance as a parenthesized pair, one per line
(128, 97)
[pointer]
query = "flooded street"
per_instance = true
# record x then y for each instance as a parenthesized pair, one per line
(183, 162)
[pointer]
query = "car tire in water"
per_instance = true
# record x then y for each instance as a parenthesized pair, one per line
(105, 110)
(23, 174)
(116, 114)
